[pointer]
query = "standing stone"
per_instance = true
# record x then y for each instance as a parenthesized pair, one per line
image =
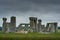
(8, 27)
(4, 25)
(56, 27)
(47, 28)
(13, 24)
(42, 28)
(52, 27)
(39, 25)
(26, 27)
(33, 24)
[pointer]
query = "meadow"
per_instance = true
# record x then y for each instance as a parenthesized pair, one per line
(29, 36)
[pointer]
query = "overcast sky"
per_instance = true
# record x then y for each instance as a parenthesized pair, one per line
(47, 10)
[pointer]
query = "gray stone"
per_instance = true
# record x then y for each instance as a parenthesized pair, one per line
(51, 27)
(33, 24)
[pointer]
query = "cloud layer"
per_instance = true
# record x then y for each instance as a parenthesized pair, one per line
(47, 10)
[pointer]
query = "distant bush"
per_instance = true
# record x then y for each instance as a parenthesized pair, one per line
(58, 27)
(0, 28)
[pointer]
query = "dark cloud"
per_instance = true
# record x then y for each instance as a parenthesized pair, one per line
(42, 6)
(44, 9)
(47, 1)
(27, 5)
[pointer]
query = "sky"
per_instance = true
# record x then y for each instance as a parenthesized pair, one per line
(46, 10)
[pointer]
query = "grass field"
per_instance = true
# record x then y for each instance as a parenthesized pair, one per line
(29, 36)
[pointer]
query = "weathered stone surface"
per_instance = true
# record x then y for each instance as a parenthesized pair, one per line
(33, 23)
(9, 27)
(26, 25)
(34, 26)
(39, 25)
(51, 27)
(13, 23)
(4, 25)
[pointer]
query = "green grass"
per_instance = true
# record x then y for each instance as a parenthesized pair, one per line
(29, 36)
